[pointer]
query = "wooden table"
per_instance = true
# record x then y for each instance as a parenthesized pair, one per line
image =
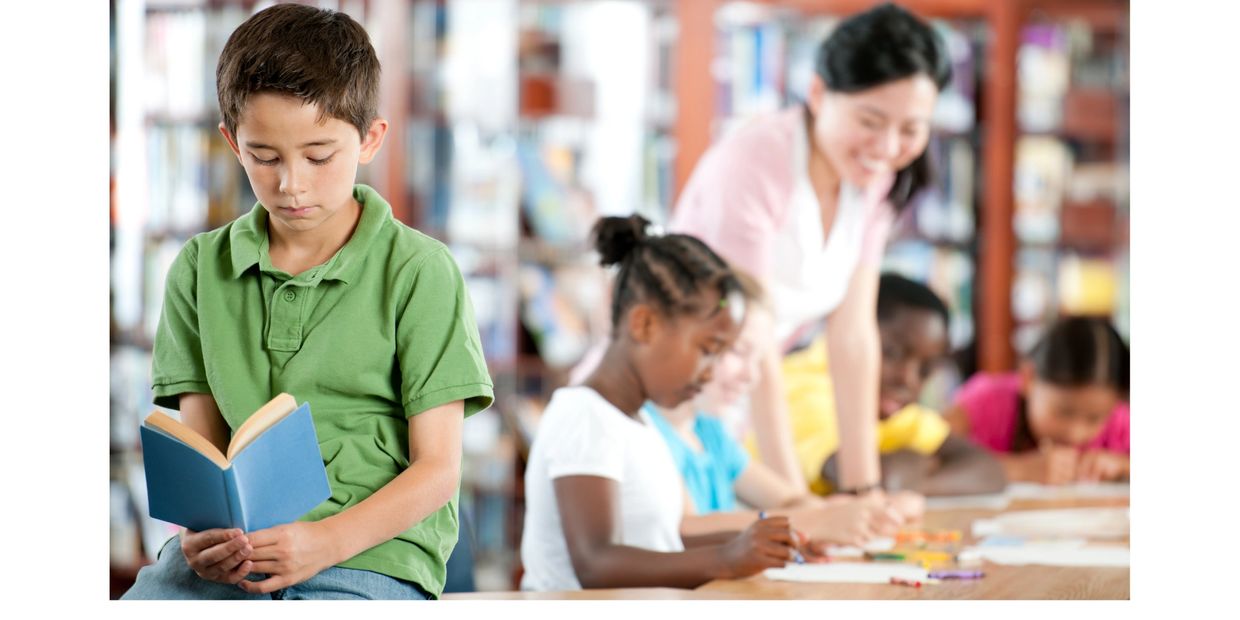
(1000, 582)
(620, 594)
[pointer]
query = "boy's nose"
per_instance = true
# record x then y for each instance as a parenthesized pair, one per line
(291, 181)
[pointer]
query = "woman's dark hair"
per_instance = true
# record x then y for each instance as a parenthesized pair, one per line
(1079, 351)
(896, 291)
(881, 45)
(668, 271)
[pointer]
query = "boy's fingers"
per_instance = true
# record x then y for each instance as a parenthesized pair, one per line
(198, 541)
(221, 552)
(266, 586)
(240, 572)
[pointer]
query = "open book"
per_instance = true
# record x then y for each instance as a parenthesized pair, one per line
(272, 475)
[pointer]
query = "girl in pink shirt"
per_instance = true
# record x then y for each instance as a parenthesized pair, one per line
(1064, 416)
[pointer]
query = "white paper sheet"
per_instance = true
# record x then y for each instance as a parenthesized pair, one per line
(847, 572)
(1049, 555)
(1063, 523)
(1030, 490)
(1027, 491)
(995, 501)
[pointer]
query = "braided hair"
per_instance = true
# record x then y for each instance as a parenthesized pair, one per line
(667, 271)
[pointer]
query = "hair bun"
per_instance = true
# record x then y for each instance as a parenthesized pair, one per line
(615, 238)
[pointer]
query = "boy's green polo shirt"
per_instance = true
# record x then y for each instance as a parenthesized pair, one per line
(381, 331)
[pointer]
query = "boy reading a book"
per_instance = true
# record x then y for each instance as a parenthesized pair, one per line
(321, 293)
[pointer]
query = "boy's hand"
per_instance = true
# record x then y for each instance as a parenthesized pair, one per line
(1098, 465)
(218, 555)
(290, 554)
(768, 543)
(1059, 463)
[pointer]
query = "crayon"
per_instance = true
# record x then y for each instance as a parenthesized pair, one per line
(957, 574)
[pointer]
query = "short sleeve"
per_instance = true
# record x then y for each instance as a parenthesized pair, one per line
(731, 455)
(177, 365)
(577, 442)
(437, 344)
(989, 402)
(928, 432)
(735, 196)
(1115, 435)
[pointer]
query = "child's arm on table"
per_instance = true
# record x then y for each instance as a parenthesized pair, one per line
(1049, 464)
(296, 551)
(963, 468)
(844, 520)
(590, 513)
(218, 555)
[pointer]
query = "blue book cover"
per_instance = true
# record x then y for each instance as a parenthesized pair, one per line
(273, 473)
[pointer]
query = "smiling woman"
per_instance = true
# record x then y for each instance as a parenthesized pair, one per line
(804, 199)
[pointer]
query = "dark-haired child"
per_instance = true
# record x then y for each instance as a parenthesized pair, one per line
(603, 497)
(918, 450)
(1063, 417)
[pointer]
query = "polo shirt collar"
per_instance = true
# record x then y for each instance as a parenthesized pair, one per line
(248, 237)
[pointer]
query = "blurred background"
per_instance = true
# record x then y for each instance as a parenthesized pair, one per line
(516, 123)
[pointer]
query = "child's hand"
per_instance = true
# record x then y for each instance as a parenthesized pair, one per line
(855, 520)
(768, 543)
(910, 505)
(290, 554)
(1098, 465)
(218, 555)
(1059, 463)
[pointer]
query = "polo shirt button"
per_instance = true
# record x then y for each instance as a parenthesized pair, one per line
(289, 295)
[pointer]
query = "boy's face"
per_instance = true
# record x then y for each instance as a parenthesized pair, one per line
(302, 170)
(914, 340)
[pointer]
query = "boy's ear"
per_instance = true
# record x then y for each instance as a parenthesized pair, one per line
(373, 140)
(232, 142)
(642, 323)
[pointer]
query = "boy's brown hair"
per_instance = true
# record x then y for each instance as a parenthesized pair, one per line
(319, 56)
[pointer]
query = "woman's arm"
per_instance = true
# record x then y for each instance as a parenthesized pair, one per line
(297, 551)
(854, 355)
(762, 488)
(590, 512)
(769, 414)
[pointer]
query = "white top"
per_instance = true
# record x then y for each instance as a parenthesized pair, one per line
(581, 434)
(809, 277)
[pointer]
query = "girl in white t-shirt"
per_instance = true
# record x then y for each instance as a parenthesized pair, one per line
(603, 498)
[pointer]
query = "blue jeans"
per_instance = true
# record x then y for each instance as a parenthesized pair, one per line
(170, 577)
